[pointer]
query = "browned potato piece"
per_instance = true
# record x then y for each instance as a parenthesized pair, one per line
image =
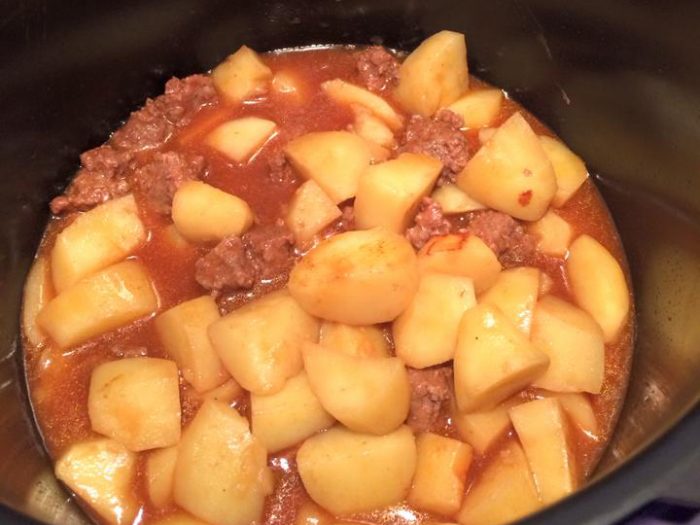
(160, 473)
(478, 108)
(569, 170)
(357, 341)
(350, 94)
(553, 234)
(357, 278)
(434, 75)
(38, 291)
(241, 138)
(515, 293)
(511, 172)
(310, 211)
(241, 76)
(453, 200)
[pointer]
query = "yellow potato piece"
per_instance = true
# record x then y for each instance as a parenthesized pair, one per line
(478, 108)
(225, 393)
(289, 85)
(242, 138)
(357, 341)
(453, 200)
(38, 291)
(482, 429)
(350, 94)
(553, 234)
(569, 169)
(160, 474)
(310, 210)
(373, 129)
(241, 76)
(579, 409)
(515, 293)
(180, 518)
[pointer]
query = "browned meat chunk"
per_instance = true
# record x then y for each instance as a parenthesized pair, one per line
(280, 171)
(504, 235)
(429, 222)
(431, 393)
(377, 67)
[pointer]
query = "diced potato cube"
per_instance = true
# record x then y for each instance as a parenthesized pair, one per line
(241, 138)
(434, 75)
(345, 472)
(288, 85)
(241, 76)
(160, 474)
(38, 291)
(179, 518)
(441, 472)
(503, 492)
(389, 193)
(137, 402)
(260, 342)
(553, 234)
(102, 472)
(366, 394)
(579, 409)
(569, 169)
(311, 514)
(543, 431)
(358, 277)
(486, 134)
(310, 211)
(350, 94)
(357, 341)
(183, 332)
(99, 303)
(425, 334)
(493, 361)
(335, 160)
(511, 172)
(599, 285)
(515, 293)
(94, 240)
(225, 393)
(175, 238)
(478, 108)
(460, 254)
(221, 473)
(482, 429)
(453, 200)
(373, 129)
(203, 213)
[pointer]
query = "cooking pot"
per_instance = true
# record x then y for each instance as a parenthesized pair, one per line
(618, 81)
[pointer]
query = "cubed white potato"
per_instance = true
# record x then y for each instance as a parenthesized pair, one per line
(574, 343)
(345, 472)
(311, 514)
(460, 254)
(569, 169)
(225, 393)
(160, 474)
(241, 76)
(203, 213)
(453, 200)
(94, 240)
(553, 234)
(486, 134)
(366, 394)
(478, 108)
(377, 153)
(441, 471)
(288, 417)
(484, 429)
(38, 291)
(99, 303)
(345, 93)
(242, 138)
(183, 332)
(425, 334)
(289, 85)
(515, 293)
(358, 277)
(102, 472)
(137, 402)
(358, 341)
(389, 193)
(373, 129)
(599, 285)
(310, 210)
(493, 360)
(175, 238)
(260, 342)
(179, 518)
(503, 492)
(511, 172)
(434, 75)
(221, 473)
(335, 160)
(579, 409)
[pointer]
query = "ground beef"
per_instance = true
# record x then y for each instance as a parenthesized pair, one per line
(280, 171)
(378, 69)
(431, 393)
(164, 174)
(504, 235)
(439, 137)
(429, 223)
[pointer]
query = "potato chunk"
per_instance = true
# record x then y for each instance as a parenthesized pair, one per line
(389, 193)
(99, 303)
(493, 361)
(137, 402)
(183, 332)
(94, 240)
(310, 211)
(425, 334)
(357, 278)
(241, 138)
(345, 472)
(515, 293)
(225, 393)
(102, 472)
(569, 169)
(574, 343)
(287, 84)
(221, 473)
(38, 291)
(335, 160)
(434, 75)
(599, 285)
(241, 76)
(553, 234)
(482, 429)
(511, 172)
(357, 341)
(478, 108)
(288, 417)
(543, 431)
(179, 518)
(460, 254)
(441, 472)
(373, 129)
(453, 200)
(366, 394)
(350, 94)
(579, 409)
(260, 342)
(160, 474)
(203, 213)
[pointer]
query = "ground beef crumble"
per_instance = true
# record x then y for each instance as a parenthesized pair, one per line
(431, 394)
(504, 235)
(428, 223)
(378, 68)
